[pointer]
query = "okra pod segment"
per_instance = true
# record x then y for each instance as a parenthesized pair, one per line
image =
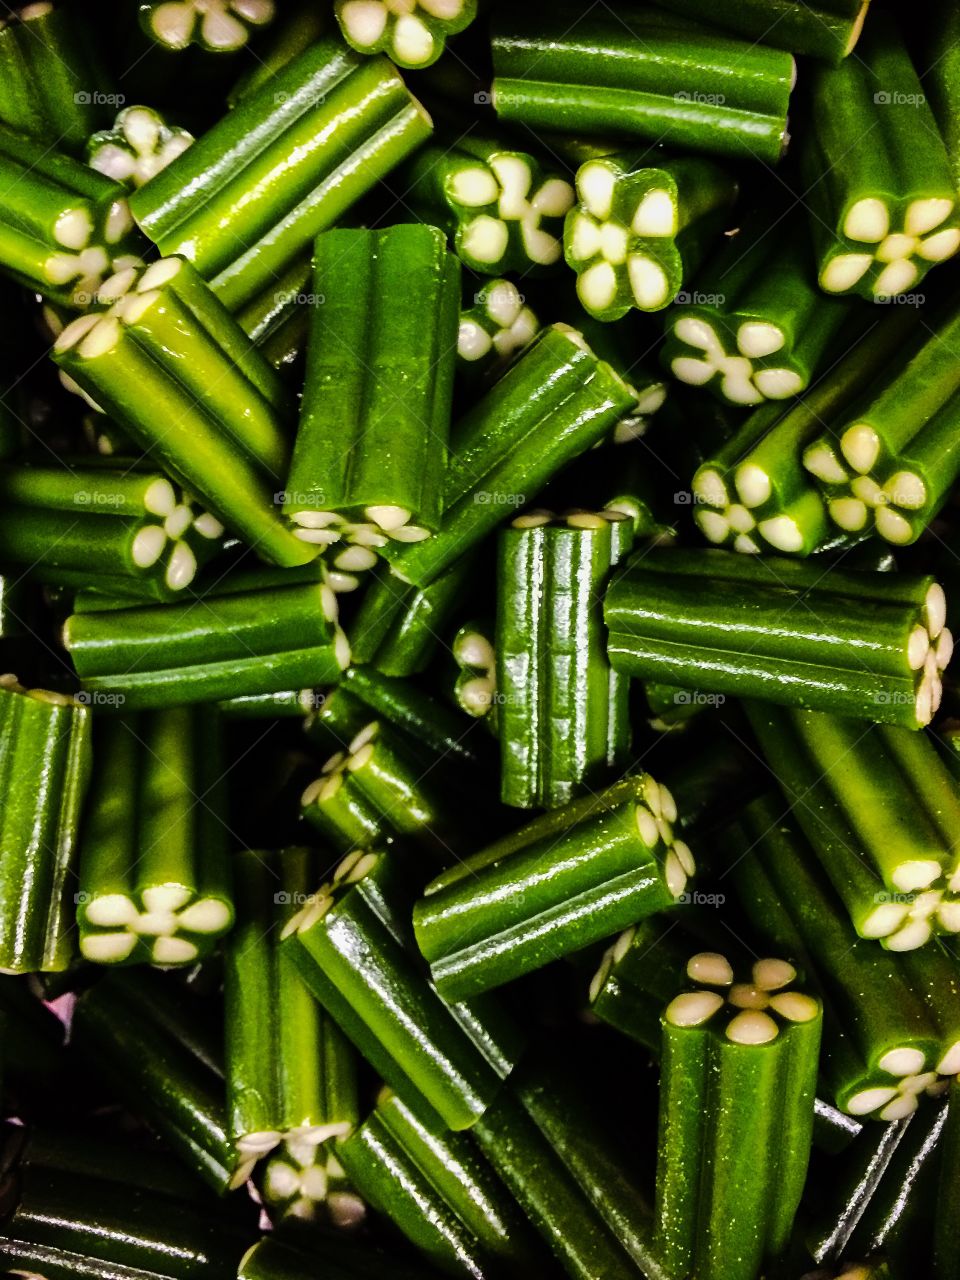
(853, 642)
(276, 635)
(640, 227)
(738, 1075)
(502, 208)
(368, 462)
(154, 875)
(438, 1190)
(891, 1024)
(220, 28)
(558, 884)
(755, 326)
(826, 29)
(68, 525)
(65, 229)
(137, 147)
(290, 1075)
(356, 952)
(879, 807)
(411, 34)
(642, 74)
(752, 492)
(172, 366)
(888, 464)
(555, 402)
(882, 196)
(396, 627)
(563, 717)
(249, 197)
(375, 792)
(495, 323)
(45, 758)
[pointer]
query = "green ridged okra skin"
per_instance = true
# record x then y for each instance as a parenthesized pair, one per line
(268, 639)
(356, 952)
(64, 228)
(641, 73)
(558, 884)
(396, 627)
(438, 1189)
(737, 1085)
(169, 363)
(827, 30)
(563, 715)
(883, 202)
(250, 196)
(890, 1021)
(45, 762)
(857, 643)
(879, 807)
(554, 403)
(371, 445)
(155, 876)
(290, 1074)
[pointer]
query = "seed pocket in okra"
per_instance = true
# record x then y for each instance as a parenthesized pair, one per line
(412, 33)
(368, 461)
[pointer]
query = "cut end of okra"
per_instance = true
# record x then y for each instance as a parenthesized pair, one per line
(410, 32)
(620, 238)
(508, 210)
(217, 26)
(476, 684)
(356, 541)
(306, 1181)
(884, 251)
(351, 869)
(732, 514)
(903, 1074)
(496, 325)
(754, 1011)
(138, 146)
(742, 365)
(169, 924)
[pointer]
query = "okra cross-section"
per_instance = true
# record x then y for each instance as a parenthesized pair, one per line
(291, 1077)
(139, 145)
(751, 492)
(880, 809)
(168, 363)
(737, 1085)
(45, 766)
(501, 207)
(891, 1022)
(304, 1182)
(411, 32)
(644, 75)
(880, 186)
(888, 464)
(495, 323)
(639, 228)
(63, 228)
(371, 445)
(355, 951)
(475, 683)
(237, 641)
(855, 643)
(563, 881)
(216, 26)
(154, 876)
(755, 327)
(555, 402)
(78, 525)
(563, 717)
(250, 196)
